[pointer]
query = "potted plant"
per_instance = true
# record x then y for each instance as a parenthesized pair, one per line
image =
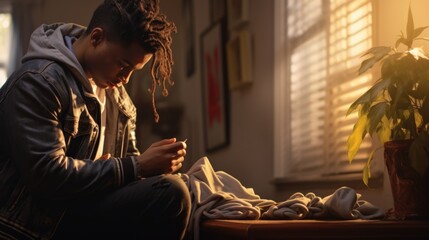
(396, 110)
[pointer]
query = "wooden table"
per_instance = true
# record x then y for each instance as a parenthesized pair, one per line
(313, 229)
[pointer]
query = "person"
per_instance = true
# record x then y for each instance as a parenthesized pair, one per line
(69, 165)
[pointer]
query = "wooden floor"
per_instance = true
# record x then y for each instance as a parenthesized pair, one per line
(313, 229)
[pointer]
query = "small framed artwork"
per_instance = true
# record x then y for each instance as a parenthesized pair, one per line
(237, 13)
(214, 84)
(239, 58)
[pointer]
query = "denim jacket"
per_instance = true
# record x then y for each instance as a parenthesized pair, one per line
(49, 127)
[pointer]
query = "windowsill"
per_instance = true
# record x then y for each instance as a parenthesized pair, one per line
(350, 180)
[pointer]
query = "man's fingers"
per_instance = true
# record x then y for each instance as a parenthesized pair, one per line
(177, 161)
(181, 152)
(176, 147)
(177, 167)
(164, 142)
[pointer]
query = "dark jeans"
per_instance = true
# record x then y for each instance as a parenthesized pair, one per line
(153, 208)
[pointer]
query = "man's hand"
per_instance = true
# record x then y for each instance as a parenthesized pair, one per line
(165, 156)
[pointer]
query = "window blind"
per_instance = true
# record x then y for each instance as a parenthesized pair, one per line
(350, 36)
(325, 41)
(308, 73)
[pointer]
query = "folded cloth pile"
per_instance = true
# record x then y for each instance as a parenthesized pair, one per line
(218, 195)
(344, 203)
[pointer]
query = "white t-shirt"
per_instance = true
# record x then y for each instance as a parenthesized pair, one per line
(100, 93)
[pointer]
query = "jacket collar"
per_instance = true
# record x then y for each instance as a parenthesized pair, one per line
(122, 100)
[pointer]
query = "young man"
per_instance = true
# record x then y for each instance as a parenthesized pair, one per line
(69, 166)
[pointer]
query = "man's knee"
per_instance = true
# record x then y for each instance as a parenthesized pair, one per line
(176, 192)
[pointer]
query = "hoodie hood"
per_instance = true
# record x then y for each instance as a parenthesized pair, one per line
(47, 42)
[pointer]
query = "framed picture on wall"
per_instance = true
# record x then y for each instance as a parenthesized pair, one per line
(239, 59)
(214, 84)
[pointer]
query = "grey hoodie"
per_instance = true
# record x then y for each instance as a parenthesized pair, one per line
(47, 42)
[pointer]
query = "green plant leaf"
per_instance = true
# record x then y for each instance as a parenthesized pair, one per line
(398, 133)
(419, 153)
(368, 97)
(390, 64)
(367, 64)
(423, 38)
(418, 118)
(384, 131)
(366, 173)
(410, 124)
(401, 40)
(364, 99)
(418, 31)
(355, 139)
(410, 27)
(422, 89)
(399, 96)
(424, 110)
(375, 114)
(377, 53)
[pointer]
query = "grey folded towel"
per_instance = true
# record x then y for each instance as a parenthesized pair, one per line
(344, 203)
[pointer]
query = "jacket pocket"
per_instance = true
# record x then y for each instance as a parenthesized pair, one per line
(71, 122)
(78, 130)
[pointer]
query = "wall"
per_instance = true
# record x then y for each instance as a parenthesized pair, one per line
(77, 11)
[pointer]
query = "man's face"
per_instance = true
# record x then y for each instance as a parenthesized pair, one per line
(111, 64)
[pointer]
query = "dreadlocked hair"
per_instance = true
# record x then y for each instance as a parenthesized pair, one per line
(130, 20)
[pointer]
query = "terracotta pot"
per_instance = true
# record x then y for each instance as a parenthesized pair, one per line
(410, 191)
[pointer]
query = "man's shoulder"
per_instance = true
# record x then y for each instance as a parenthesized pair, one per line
(49, 71)
(44, 72)
(43, 66)
(39, 77)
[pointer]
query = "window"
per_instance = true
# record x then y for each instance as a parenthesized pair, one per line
(318, 46)
(5, 35)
